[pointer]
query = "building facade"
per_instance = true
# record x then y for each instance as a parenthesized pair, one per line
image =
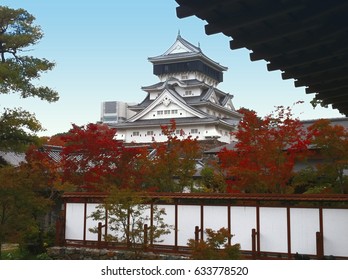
(115, 112)
(186, 92)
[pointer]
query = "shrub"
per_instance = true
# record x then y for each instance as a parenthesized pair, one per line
(215, 247)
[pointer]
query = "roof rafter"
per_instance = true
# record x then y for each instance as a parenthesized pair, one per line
(305, 39)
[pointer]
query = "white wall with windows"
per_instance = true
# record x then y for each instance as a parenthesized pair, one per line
(148, 134)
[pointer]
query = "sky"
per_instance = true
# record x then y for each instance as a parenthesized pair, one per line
(101, 50)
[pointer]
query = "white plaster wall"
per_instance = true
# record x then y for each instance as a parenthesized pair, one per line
(335, 223)
(215, 217)
(109, 231)
(158, 136)
(194, 91)
(118, 234)
(273, 229)
(189, 216)
(90, 223)
(169, 219)
(205, 132)
(172, 106)
(243, 220)
(74, 222)
(304, 223)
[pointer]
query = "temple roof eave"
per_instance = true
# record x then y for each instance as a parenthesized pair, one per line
(179, 122)
(183, 83)
(181, 57)
(217, 107)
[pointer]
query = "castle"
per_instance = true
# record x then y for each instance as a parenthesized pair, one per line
(186, 92)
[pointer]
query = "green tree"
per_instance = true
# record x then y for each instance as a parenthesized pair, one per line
(17, 129)
(20, 207)
(17, 75)
(127, 213)
(212, 180)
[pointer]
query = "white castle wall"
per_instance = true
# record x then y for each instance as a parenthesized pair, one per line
(204, 132)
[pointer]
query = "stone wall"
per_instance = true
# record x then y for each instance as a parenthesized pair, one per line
(74, 253)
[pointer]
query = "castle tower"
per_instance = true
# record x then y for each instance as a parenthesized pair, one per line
(187, 92)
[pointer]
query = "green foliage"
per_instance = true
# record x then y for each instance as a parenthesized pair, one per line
(17, 129)
(331, 146)
(20, 206)
(212, 180)
(17, 32)
(315, 102)
(215, 247)
(18, 72)
(127, 214)
(311, 180)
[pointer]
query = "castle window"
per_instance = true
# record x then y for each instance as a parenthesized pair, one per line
(174, 111)
(166, 112)
(160, 112)
(194, 131)
(150, 132)
(135, 133)
(188, 92)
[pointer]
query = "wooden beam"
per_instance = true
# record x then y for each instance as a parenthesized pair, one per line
(330, 37)
(314, 68)
(341, 106)
(329, 100)
(332, 94)
(285, 49)
(328, 86)
(196, 7)
(275, 33)
(306, 58)
(249, 17)
(337, 75)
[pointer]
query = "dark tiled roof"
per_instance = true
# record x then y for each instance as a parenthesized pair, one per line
(196, 52)
(54, 152)
(334, 121)
(179, 121)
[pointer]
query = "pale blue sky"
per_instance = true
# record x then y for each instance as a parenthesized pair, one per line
(101, 50)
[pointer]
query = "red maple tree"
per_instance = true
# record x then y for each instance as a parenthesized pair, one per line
(92, 158)
(173, 165)
(265, 151)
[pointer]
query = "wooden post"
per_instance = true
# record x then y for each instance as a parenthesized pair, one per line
(253, 244)
(59, 239)
(320, 245)
(196, 235)
(145, 236)
(100, 226)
